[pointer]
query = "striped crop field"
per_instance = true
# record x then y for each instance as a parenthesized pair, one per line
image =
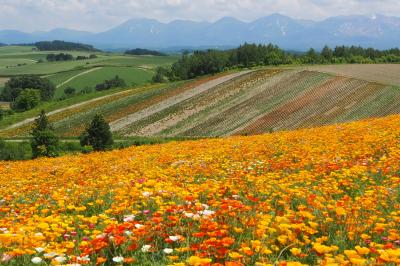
(239, 103)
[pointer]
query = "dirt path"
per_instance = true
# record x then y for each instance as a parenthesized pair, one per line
(30, 120)
(78, 75)
(127, 120)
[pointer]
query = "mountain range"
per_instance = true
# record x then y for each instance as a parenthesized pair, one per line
(378, 31)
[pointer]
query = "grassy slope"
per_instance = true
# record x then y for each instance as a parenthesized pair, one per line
(59, 72)
(15, 49)
(46, 68)
(131, 75)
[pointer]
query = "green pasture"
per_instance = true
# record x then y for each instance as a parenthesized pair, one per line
(132, 76)
(15, 49)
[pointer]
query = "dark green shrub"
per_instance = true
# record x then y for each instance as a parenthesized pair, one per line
(44, 141)
(98, 135)
(26, 100)
(69, 91)
(16, 85)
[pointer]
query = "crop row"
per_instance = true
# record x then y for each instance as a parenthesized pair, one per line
(271, 95)
(183, 110)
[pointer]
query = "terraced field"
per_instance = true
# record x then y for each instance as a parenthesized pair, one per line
(241, 103)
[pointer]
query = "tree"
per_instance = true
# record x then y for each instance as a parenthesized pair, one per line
(311, 57)
(26, 100)
(69, 91)
(116, 82)
(97, 134)
(15, 85)
(159, 76)
(44, 141)
(327, 53)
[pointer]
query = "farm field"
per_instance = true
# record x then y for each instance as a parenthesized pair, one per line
(320, 196)
(132, 76)
(21, 60)
(382, 73)
(239, 103)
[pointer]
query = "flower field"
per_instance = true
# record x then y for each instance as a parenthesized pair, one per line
(321, 196)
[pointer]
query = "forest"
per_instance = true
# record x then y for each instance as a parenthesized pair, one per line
(206, 62)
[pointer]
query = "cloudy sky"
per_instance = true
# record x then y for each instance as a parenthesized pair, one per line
(99, 15)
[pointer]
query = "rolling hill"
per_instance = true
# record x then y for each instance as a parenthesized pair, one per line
(79, 74)
(376, 31)
(237, 103)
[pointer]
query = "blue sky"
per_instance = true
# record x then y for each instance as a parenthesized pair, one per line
(99, 15)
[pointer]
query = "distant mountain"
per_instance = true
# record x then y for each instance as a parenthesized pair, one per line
(293, 34)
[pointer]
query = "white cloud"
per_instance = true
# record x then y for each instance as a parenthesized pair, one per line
(98, 15)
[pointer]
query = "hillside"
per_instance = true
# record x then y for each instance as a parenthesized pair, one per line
(238, 103)
(83, 72)
(321, 196)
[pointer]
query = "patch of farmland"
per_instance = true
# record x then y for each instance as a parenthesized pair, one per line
(22, 128)
(337, 100)
(46, 68)
(132, 76)
(265, 101)
(119, 108)
(269, 94)
(382, 73)
(11, 63)
(72, 120)
(15, 49)
(201, 106)
(142, 114)
(73, 124)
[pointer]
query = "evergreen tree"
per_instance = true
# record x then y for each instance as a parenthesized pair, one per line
(44, 141)
(97, 134)
(327, 53)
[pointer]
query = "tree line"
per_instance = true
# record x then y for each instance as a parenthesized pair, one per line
(139, 51)
(67, 57)
(64, 46)
(250, 55)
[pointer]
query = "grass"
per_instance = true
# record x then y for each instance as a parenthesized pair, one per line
(15, 49)
(45, 68)
(131, 75)
(11, 63)
(22, 60)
